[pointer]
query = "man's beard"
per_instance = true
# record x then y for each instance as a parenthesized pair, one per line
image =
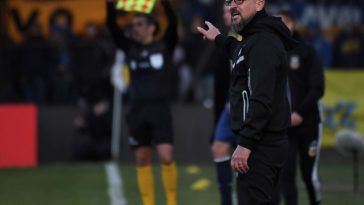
(237, 27)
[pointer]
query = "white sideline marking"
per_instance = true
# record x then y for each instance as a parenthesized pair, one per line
(115, 191)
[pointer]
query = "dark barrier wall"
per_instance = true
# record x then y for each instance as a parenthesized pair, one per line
(56, 134)
(192, 125)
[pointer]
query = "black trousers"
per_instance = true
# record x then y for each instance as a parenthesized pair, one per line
(305, 142)
(256, 187)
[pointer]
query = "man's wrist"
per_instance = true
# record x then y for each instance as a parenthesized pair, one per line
(246, 142)
(219, 40)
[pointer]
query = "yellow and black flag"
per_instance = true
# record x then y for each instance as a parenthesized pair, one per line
(144, 6)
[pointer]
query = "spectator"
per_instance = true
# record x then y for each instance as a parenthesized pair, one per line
(34, 61)
(91, 71)
(7, 74)
(349, 48)
(91, 66)
(62, 39)
(321, 44)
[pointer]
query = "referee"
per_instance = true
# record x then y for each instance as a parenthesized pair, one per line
(306, 81)
(149, 116)
(260, 109)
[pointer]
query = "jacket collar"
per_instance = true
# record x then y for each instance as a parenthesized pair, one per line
(247, 30)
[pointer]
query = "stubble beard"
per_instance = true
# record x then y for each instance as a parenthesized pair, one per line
(237, 27)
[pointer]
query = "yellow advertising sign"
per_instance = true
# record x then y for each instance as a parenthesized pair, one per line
(144, 6)
(22, 12)
(343, 103)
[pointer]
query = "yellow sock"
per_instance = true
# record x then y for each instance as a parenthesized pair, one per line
(169, 177)
(146, 184)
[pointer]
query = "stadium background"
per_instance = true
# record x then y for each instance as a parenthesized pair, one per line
(40, 135)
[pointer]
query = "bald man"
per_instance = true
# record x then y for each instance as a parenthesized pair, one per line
(260, 111)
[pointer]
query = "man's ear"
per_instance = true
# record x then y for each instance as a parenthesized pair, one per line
(259, 5)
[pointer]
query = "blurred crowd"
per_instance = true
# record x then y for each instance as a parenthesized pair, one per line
(69, 68)
(59, 68)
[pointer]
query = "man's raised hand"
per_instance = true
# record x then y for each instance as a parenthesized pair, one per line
(210, 33)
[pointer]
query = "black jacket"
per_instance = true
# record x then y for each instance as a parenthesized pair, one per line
(260, 108)
(306, 80)
(150, 65)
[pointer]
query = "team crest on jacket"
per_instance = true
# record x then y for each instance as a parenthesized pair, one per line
(156, 60)
(295, 62)
(312, 149)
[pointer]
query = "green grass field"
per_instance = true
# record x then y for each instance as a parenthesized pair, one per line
(86, 184)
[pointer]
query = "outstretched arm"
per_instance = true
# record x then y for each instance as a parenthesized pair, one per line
(227, 44)
(116, 32)
(170, 36)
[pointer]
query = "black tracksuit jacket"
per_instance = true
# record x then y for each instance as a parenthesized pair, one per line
(306, 82)
(150, 65)
(260, 109)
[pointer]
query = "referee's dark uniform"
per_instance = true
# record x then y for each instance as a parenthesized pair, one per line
(259, 102)
(306, 81)
(149, 117)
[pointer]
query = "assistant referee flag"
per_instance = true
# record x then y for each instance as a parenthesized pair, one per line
(144, 6)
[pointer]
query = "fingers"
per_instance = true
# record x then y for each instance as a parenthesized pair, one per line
(239, 165)
(209, 25)
(202, 31)
(243, 167)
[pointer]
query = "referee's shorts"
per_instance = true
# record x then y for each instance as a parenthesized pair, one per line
(149, 124)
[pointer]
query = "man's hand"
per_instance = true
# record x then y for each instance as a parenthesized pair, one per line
(210, 33)
(239, 160)
(296, 119)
